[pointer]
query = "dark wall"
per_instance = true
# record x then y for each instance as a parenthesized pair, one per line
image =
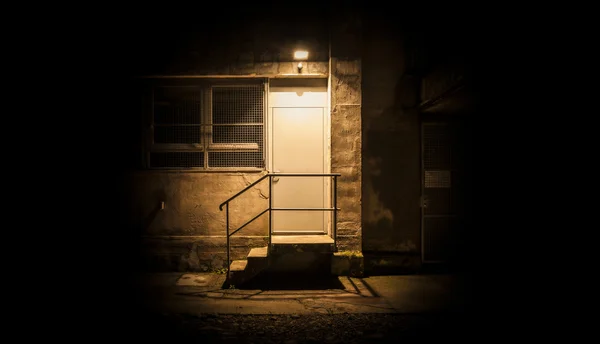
(226, 41)
(408, 62)
(391, 179)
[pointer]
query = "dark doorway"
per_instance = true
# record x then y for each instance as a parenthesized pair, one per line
(445, 196)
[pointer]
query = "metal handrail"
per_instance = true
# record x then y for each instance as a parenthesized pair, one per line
(249, 221)
(277, 175)
(243, 190)
(270, 209)
(305, 209)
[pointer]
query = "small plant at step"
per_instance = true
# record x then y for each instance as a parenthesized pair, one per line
(220, 271)
(351, 253)
(232, 286)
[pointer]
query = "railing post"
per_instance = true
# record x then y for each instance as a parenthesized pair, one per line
(270, 212)
(227, 227)
(335, 213)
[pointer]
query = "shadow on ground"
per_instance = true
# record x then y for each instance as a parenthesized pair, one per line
(267, 280)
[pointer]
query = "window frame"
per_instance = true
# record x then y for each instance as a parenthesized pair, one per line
(205, 87)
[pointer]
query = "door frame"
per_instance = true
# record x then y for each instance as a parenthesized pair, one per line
(299, 82)
(456, 217)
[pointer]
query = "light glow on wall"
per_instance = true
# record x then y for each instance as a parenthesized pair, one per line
(301, 55)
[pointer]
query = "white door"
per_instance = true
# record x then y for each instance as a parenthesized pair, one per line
(298, 146)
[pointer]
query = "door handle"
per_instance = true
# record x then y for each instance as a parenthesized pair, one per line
(276, 179)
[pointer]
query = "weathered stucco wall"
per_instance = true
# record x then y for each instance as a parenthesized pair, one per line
(191, 202)
(189, 233)
(346, 135)
(391, 147)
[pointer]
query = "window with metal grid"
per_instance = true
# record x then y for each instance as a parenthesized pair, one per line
(177, 115)
(207, 127)
(237, 126)
(176, 159)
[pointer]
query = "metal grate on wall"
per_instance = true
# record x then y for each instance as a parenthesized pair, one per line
(237, 121)
(438, 239)
(437, 147)
(437, 179)
(235, 159)
(177, 115)
(442, 210)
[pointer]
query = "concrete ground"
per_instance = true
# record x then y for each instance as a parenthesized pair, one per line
(202, 293)
(278, 308)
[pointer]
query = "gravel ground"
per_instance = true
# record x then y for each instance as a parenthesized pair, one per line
(306, 328)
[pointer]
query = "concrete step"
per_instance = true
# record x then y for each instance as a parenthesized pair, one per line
(258, 252)
(284, 244)
(241, 271)
(237, 271)
(284, 239)
(238, 265)
(258, 259)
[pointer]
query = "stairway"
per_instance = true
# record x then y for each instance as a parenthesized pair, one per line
(286, 250)
(242, 271)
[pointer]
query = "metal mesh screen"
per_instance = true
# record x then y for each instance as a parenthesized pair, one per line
(437, 179)
(237, 104)
(438, 239)
(177, 134)
(437, 147)
(238, 122)
(439, 202)
(238, 134)
(235, 159)
(176, 159)
(177, 114)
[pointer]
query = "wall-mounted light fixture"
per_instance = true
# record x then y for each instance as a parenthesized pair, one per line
(301, 55)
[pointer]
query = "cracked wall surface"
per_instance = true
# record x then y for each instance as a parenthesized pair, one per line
(346, 134)
(189, 233)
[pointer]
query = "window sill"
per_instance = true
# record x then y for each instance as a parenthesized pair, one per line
(252, 147)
